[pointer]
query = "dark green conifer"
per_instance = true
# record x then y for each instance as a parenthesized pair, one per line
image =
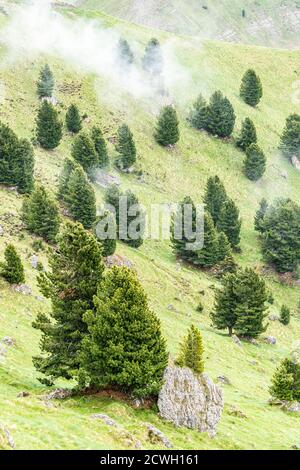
(290, 139)
(81, 200)
(69, 166)
(248, 134)
(12, 269)
(45, 84)
(230, 223)
(192, 351)
(199, 114)
(221, 116)
(125, 147)
(254, 163)
(83, 152)
(125, 54)
(100, 146)
(49, 127)
(73, 119)
(214, 198)
(167, 128)
(106, 232)
(260, 215)
(285, 315)
(286, 381)
(153, 60)
(251, 88)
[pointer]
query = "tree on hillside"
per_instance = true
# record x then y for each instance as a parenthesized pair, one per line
(76, 270)
(108, 238)
(281, 241)
(285, 315)
(254, 163)
(81, 200)
(214, 198)
(73, 119)
(199, 114)
(192, 351)
(260, 215)
(125, 54)
(179, 239)
(9, 170)
(45, 83)
(240, 304)
(224, 247)
(286, 381)
(69, 166)
(153, 59)
(40, 214)
(100, 146)
(83, 151)
(229, 222)
(49, 127)
(124, 347)
(125, 147)
(221, 116)
(25, 159)
(248, 134)
(251, 88)
(167, 128)
(12, 269)
(208, 256)
(290, 139)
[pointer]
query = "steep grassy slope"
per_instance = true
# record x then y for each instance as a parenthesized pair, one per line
(269, 22)
(169, 175)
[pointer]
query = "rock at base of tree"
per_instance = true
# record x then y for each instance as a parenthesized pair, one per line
(117, 260)
(106, 419)
(236, 340)
(22, 289)
(274, 318)
(8, 341)
(224, 380)
(58, 394)
(270, 340)
(156, 437)
(296, 162)
(104, 180)
(190, 401)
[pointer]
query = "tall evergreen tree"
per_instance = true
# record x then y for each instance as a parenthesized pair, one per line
(49, 127)
(286, 381)
(73, 119)
(153, 59)
(100, 146)
(25, 156)
(251, 88)
(191, 351)
(40, 214)
(224, 247)
(260, 215)
(221, 116)
(9, 157)
(12, 269)
(290, 139)
(167, 128)
(45, 84)
(214, 198)
(125, 54)
(83, 151)
(76, 270)
(124, 348)
(285, 315)
(108, 233)
(81, 200)
(230, 223)
(208, 256)
(69, 166)
(248, 134)
(179, 238)
(240, 304)
(126, 147)
(199, 114)
(254, 163)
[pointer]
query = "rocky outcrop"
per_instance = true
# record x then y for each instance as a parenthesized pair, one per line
(270, 340)
(190, 401)
(157, 437)
(117, 260)
(296, 162)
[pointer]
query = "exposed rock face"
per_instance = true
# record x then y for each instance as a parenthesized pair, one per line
(58, 394)
(190, 401)
(156, 436)
(293, 407)
(296, 163)
(236, 340)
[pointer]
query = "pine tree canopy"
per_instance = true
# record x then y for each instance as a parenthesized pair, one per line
(191, 351)
(100, 146)
(229, 222)
(73, 119)
(254, 163)
(248, 134)
(286, 381)
(214, 198)
(81, 200)
(260, 214)
(49, 127)
(251, 88)
(83, 151)
(167, 128)
(153, 59)
(45, 84)
(290, 139)
(125, 54)
(221, 116)
(12, 269)
(126, 147)
(199, 114)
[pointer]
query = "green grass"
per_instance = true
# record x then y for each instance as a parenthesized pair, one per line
(169, 175)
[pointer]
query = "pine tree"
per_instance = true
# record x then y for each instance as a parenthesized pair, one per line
(25, 157)
(124, 348)
(126, 147)
(240, 304)
(224, 247)
(40, 214)
(290, 139)
(260, 215)
(167, 128)
(125, 54)
(254, 163)
(12, 269)
(251, 88)
(135, 227)
(248, 134)
(153, 60)
(100, 146)
(112, 198)
(45, 84)
(221, 116)
(214, 198)
(191, 351)
(49, 127)
(73, 119)
(199, 114)
(69, 166)
(83, 152)
(106, 232)
(9, 170)
(285, 315)
(208, 256)
(227, 265)
(230, 223)
(81, 200)
(179, 238)
(76, 270)
(281, 242)
(286, 381)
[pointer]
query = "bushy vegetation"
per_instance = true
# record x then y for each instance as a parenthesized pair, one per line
(191, 351)
(12, 269)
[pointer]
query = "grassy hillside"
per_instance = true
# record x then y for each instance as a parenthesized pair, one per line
(35, 423)
(269, 22)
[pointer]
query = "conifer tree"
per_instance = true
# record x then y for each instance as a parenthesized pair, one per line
(251, 88)
(214, 198)
(40, 214)
(100, 146)
(126, 147)
(208, 256)
(240, 304)
(260, 215)
(285, 315)
(191, 351)
(69, 166)
(81, 200)
(12, 269)
(199, 114)
(83, 152)
(153, 60)
(167, 128)
(76, 270)
(281, 242)
(286, 381)
(49, 127)
(248, 134)
(290, 139)
(221, 116)
(108, 233)
(179, 238)
(73, 119)
(9, 156)
(254, 163)
(230, 223)
(224, 247)
(112, 198)
(125, 54)
(124, 348)
(25, 157)
(45, 84)
(133, 233)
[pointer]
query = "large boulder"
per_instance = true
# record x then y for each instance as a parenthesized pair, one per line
(190, 401)
(296, 162)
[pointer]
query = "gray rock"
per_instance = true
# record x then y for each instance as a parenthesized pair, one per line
(8, 437)
(52, 100)
(190, 401)
(34, 260)
(296, 162)
(136, 403)
(270, 340)
(293, 407)
(1, 231)
(22, 289)
(3, 351)
(171, 307)
(117, 260)
(274, 317)
(224, 380)
(23, 394)
(156, 436)
(8, 341)
(284, 174)
(104, 179)
(107, 420)
(236, 340)
(58, 394)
